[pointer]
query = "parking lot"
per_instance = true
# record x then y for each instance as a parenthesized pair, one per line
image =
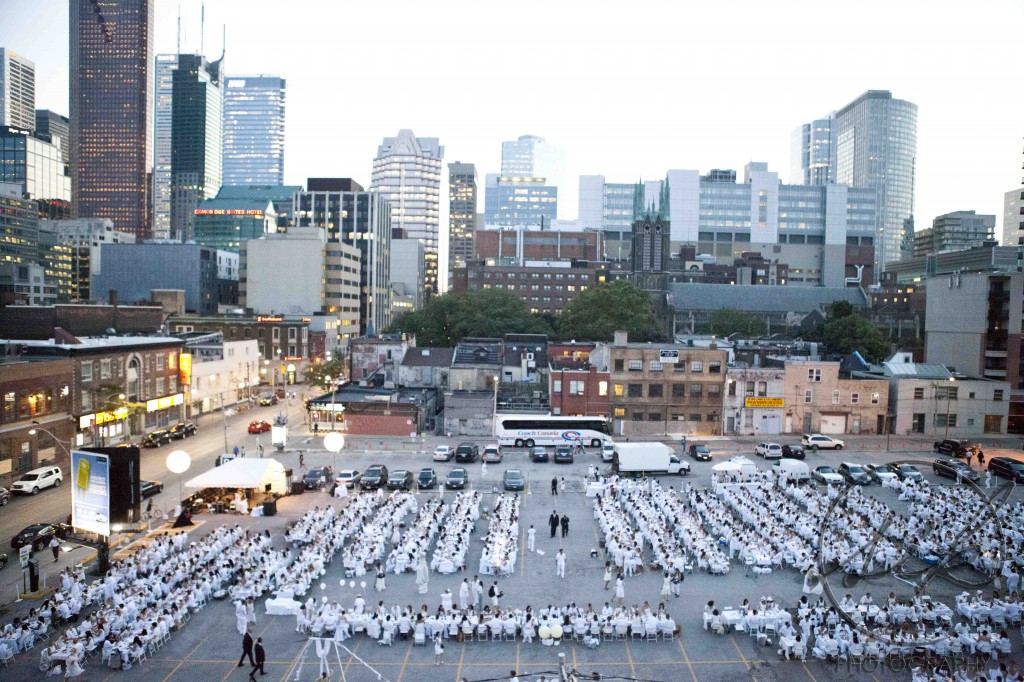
(208, 646)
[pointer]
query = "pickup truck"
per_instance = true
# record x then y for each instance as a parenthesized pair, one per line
(951, 447)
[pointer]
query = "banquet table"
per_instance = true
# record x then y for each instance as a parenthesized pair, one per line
(282, 606)
(731, 617)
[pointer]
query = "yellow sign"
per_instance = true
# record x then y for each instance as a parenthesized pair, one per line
(165, 402)
(763, 402)
(185, 369)
(106, 417)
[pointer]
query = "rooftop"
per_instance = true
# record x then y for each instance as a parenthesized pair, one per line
(96, 342)
(472, 351)
(428, 357)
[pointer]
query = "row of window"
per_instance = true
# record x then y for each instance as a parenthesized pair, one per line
(953, 393)
(874, 398)
(677, 390)
(696, 366)
(660, 416)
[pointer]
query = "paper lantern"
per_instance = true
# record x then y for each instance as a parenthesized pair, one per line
(323, 586)
(544, 632)
(556, 631)
(334, 442)
(342, 583)
(362, 584)
(178, 462)
(352, 583)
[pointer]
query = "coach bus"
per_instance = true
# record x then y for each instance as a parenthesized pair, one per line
(527, 430)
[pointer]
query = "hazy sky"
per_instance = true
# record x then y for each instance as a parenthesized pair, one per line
(626, 89)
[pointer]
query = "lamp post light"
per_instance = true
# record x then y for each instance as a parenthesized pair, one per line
(334, 442)
(949, 396)
(178, 462)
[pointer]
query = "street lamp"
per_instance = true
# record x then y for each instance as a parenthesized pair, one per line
(949, 396)
(178, 462)
(334, 442)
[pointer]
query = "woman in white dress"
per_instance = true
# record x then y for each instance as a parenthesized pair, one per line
(379, 584)
(666, 585)
(241, 617)
(620, 590)
(607, 574)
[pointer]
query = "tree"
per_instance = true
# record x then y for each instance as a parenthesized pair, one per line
(597, 313)
(448, 319)
(728, 321)
(846, 331)
(316, 375)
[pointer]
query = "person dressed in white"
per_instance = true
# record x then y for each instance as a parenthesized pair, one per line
(241, 617)
(483, 470)
(560, 563)
(620, 590)
(531, 538)
(464, 594)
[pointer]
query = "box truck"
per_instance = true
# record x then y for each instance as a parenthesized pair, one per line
(647, 459)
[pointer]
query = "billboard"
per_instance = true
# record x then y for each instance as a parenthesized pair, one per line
(763, 402)
(90, 491)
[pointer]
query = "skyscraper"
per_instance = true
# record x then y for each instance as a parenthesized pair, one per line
(111, 103)
(812, 153)
(532, 156)
(254, 130)
(407, 174)
(163, 115)
(462, 195)
(196, 138)
(17, 90)
(55, 129)
(874, 145)
(526, 192)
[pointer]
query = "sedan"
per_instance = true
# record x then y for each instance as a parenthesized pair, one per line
(268, 400)
(793, 452)
(955, 469)
(539, 453)
(563, 454)
(700, 452)
(1005, 467)
(313, 479)
(827, 475)
(513, 480)
(156, 438)
(150, 488)
(907, 471)
(182, 430)
(881, 472)
(5, 496)
(400, 480)
(258, 426)
(443, 453)
(456, 479)
(39, 535)
(769, 450)
(854, 473)
(347, 477)
(816, 440)
(426, 479)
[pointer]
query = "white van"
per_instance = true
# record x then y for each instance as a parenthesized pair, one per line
(792, 470)
(37, 479)
(607, 451)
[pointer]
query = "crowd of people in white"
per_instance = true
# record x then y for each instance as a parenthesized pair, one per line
(501, 545)
(416, 540)
(453, 541)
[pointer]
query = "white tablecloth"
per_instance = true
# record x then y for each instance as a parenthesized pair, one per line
(282, 607)
(594, 489)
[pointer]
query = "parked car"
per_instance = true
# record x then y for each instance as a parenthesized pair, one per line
(854, 473)
(348, 478)
(1007, 468)
(155, 439)
(38, 479)
(905, 471)
(827, 475)
(442, 453)
(951, 447)
(881, 472)
(467, 452)
(3, 559)
(374, 477)
(5, 496)
(539, 453)
(793, 451)
(268, 400)
(456, 479)
(314, 479)
(817, 440)
(400, 479)
(492, 454)
(513, 480)
(607, 451)
(426, 479)
(955, 469)
(258, 426)
(769, 450)
(700, 452)
(150, 488)
(38, 535)
(182, 430)
(563, 454)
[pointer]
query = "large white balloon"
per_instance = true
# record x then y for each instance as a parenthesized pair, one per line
(178, 462)
(334, 442)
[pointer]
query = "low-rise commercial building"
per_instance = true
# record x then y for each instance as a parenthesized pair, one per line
(37, 396)
(220, 373)
(819, 401)
(755, 401)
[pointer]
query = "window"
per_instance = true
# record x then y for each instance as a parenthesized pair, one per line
(638, 416)
(696, 391)
(919, 393)
(945, 393)
(748, 419)
(635, 390)
(732, 388)
(940, 420)
(814, 375)
(105, 369)
(714, 390)
(87, 371)
(808, 396)
(655, 391)
(602, 388)
(619, 412)
(874, 398)
(86, 401)
(715, 367)
(159, 386)
(855, 398)
(695, 417)
(997, 395)
(750, 388)
(557, 387)
(576, 387)
(618, 390)
(276, 333)
(654, 417)
(697, 366)
(618, 365)
(655, 366)
(762, 389)
(835, 397)
(636, 365)
(678, 390)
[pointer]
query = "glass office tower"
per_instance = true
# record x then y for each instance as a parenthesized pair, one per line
(254, 130)
(462, 197)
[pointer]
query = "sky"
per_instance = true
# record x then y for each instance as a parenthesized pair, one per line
(626, 89)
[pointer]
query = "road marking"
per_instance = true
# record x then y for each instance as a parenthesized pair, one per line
(686, 657)
(405, 662)
(462, 656)
(629, 657)
(744, 658)
(813, 678)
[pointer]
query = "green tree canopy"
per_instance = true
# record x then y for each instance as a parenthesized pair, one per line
(846, 331)
(447, 319)
(316, 375)
(597, 313)
(726, 321)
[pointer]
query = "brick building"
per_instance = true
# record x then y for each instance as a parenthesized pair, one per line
(579, 381)
(283, 339)
(543, 286)
(36, 396)
(508, 245)
(819, 401)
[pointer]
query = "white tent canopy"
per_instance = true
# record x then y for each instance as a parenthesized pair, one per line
(739, 463)
(244, 473)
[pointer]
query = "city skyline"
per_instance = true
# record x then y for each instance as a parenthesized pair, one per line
(668, 116)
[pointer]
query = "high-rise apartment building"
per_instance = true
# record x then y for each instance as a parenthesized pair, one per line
(34, 164)
(1013, 218)
(196, 138)
(163, 117)
(19, 225)
(955, 231)
(17, 90)
(525, 194)
(56, 130)
(462, 197)
(531, 156)
(407, 174)
(111, 101)
(812, 153)
(348, 214)
(254, 130)
(608, 206)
